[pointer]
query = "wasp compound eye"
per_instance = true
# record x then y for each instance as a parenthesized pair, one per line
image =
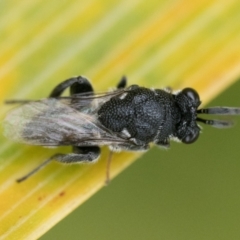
(191, 137)
(192, 95)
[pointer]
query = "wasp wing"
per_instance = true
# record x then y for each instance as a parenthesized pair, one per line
(54, 122)
(91, 102)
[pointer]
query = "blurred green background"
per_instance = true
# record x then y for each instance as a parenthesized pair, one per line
(189, 192)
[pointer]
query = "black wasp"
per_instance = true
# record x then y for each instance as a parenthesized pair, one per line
(128, 118)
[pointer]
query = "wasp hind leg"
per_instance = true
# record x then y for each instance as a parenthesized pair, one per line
(79, 155)
(122, 83)
(76, 84)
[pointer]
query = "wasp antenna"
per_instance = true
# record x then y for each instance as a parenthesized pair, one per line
(216, 123)
(220, 111)
(42, 165)
(17, 101)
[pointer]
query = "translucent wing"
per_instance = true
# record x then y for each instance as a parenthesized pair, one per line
(88, 101)
(54, 122)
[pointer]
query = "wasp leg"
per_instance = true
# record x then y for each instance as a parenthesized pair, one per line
(77, 85)
(80, 154)
(138, 148)
(122, 83)
(134, 148)
(163, 143)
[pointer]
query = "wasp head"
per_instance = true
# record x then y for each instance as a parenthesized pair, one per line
(187, 129)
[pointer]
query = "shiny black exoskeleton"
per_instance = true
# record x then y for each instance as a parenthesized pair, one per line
(152, 115)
